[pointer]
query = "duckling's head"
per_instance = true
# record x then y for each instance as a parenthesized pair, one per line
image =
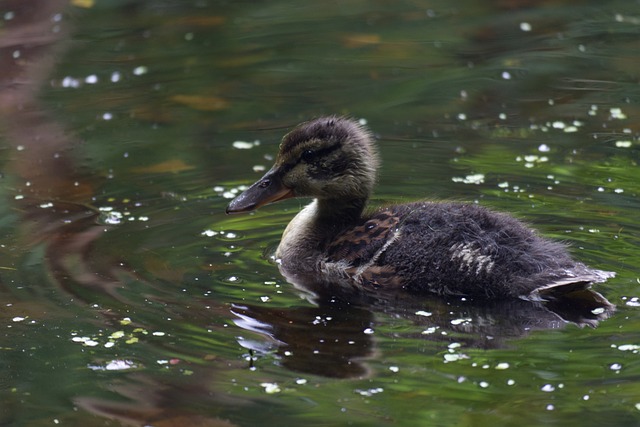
(325, 158)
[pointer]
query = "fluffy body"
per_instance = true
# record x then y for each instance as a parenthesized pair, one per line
(444, 248)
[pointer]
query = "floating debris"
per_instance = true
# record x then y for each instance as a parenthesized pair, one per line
(138, 71)
(270, 388)
(423, 313)
(114, 365)
(623, 144)
(370, 392)
(616, 113)
(243, 145)
(476, 179)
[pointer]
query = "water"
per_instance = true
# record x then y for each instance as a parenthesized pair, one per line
(130, 297)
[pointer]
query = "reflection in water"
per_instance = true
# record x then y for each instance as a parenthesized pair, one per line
(327, 340)
(52, 197)
(333, 339)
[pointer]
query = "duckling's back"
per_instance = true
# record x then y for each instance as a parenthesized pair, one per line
(456, 249)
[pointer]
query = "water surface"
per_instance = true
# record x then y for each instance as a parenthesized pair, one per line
(130, 297)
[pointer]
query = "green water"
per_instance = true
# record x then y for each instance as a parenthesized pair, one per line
(129, 297)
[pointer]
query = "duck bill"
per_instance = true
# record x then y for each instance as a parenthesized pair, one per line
(267, 189)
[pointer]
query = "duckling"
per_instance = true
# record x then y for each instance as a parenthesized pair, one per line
(445, 248)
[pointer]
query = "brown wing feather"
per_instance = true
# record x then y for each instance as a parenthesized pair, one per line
(361, 245)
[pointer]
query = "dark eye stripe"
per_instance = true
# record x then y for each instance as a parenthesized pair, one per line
(311, 155)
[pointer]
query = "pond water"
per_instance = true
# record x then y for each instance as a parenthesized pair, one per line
(129, 297)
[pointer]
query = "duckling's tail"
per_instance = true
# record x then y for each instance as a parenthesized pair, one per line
(568, 284)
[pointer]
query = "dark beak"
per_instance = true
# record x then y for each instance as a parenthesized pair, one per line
(267, 189)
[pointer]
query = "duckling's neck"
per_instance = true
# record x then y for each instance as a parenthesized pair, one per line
(308, 232)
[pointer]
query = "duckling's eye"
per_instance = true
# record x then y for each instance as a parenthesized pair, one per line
(308, 155)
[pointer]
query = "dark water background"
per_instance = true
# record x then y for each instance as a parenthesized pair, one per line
(128, 297)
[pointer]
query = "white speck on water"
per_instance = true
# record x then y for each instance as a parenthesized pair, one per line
(115, 77)
(600, 189)
(633, 302)
(119, 365)
(368, 331)
(454, 345)
(370, 392)
(8, 16)
(616, 113)
(454, 357)
(362, 121)
(423, 313)
(502, 116)
(550, 407)
(270, 388)
(462, 116)
(477, 179)
(394, 368)
(107, 116)
(623, 144)
(259, 168)
(525, 26)
(18, 319)
(243, 145)
(570, 129)
(615, 366)
(511, 382)
(301, 381)
(91, 80)
(544, 148)
(70, 82)
(138, 71)
(483, 384)
(209, 233)
(629, 347)
(502, 365)
(547, 388)
(264, 298)
(585, 397)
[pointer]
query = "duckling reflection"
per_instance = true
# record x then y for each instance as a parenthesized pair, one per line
(424, 247)
(332, 339)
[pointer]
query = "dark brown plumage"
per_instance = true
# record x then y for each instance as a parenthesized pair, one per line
(444, 248)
